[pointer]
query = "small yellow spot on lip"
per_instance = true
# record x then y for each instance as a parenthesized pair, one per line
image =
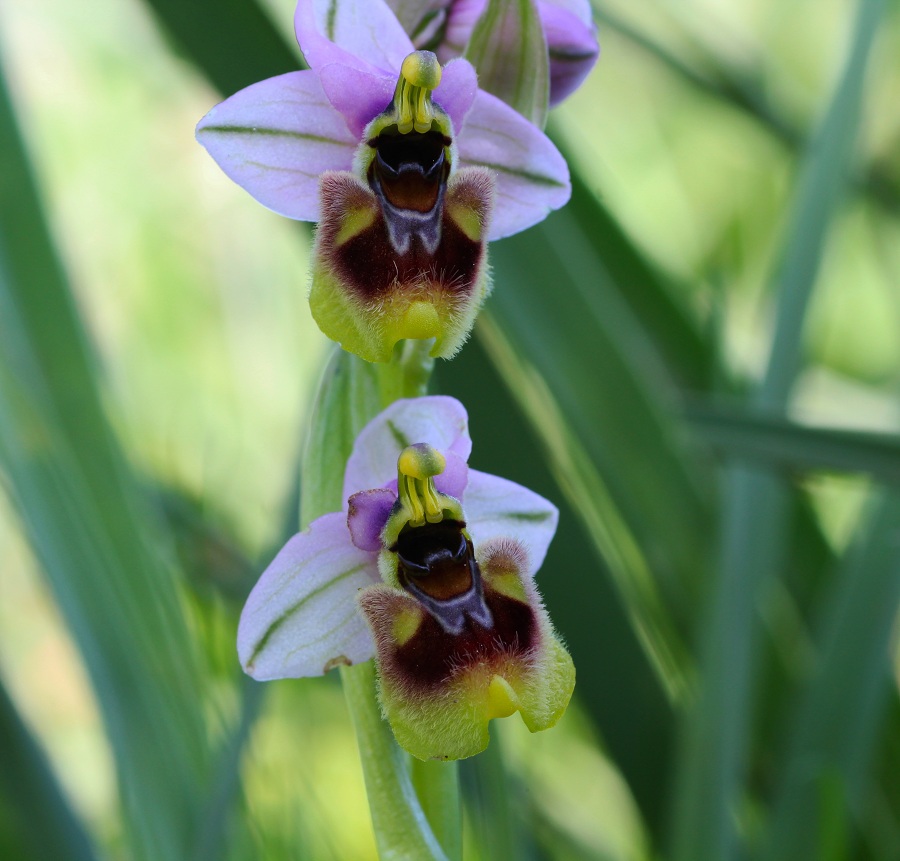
(420, 321)
(502, 700)
(406, 625)
(354, 222)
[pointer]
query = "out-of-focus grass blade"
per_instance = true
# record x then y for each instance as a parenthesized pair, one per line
(616, 679)
(835, 728)
(215, 819)
(777, 441)
(487, 785)
(233, 42)
(90, 529)
(44, 822)
(588, 350)
(716, 741)
(611, 275)
(592, 501)
(744, 90)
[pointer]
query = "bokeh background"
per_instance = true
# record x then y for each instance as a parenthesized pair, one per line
(727, 571)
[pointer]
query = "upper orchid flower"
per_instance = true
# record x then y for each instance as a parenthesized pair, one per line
(456, 626)
(502, 39)
(401, 161)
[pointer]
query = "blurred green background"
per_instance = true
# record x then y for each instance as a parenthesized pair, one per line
(727, 569)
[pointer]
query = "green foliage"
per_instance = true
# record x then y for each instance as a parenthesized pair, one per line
(731, 621)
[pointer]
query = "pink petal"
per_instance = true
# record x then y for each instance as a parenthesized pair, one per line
(456, 92)
(572, 43)
(275, 139)
(438, 420)
(301, 617)
(578, 9)
(498, 508)
(532, 176)
(461, 21)
(367, 512)
(358, 95)
(363, 34)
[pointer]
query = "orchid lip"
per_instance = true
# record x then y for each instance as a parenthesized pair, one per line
(436, 565)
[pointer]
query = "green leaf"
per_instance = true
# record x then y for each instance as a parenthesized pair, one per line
(44, 821)
(776, 441)
(603, 374)
(509, 51)
(649, 310)
(94, 534)
(717, 75)
(234, 43)
(578, 590)
(753, 546)
(836, 724)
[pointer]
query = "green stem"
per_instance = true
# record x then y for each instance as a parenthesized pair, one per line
(402, 830)
(415, 809)
(407, 375)
(437, 785)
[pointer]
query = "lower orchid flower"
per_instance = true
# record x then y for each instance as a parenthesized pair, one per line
(429, 569)
(408, 166)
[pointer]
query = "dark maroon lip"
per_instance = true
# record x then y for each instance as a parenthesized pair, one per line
(404, 249)
(436, 565)
(434, 655)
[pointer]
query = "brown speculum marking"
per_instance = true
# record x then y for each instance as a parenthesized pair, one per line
(433, 655)
(410, 170)
(436, 565)
(409, 176)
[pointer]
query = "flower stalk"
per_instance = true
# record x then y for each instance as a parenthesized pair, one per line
(414, 805)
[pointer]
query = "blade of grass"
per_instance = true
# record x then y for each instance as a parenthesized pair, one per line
(777, 441)
(608, 271)
(486, 787)
(233, 42)
(586, 347)
(616, 679)
(217, 814)
(836, 723)
(94, 535)
(44, 819)
(745, 91)
(715, 743)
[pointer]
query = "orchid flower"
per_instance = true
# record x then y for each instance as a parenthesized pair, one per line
(429, 568)
(409, 167)
(447, 26)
